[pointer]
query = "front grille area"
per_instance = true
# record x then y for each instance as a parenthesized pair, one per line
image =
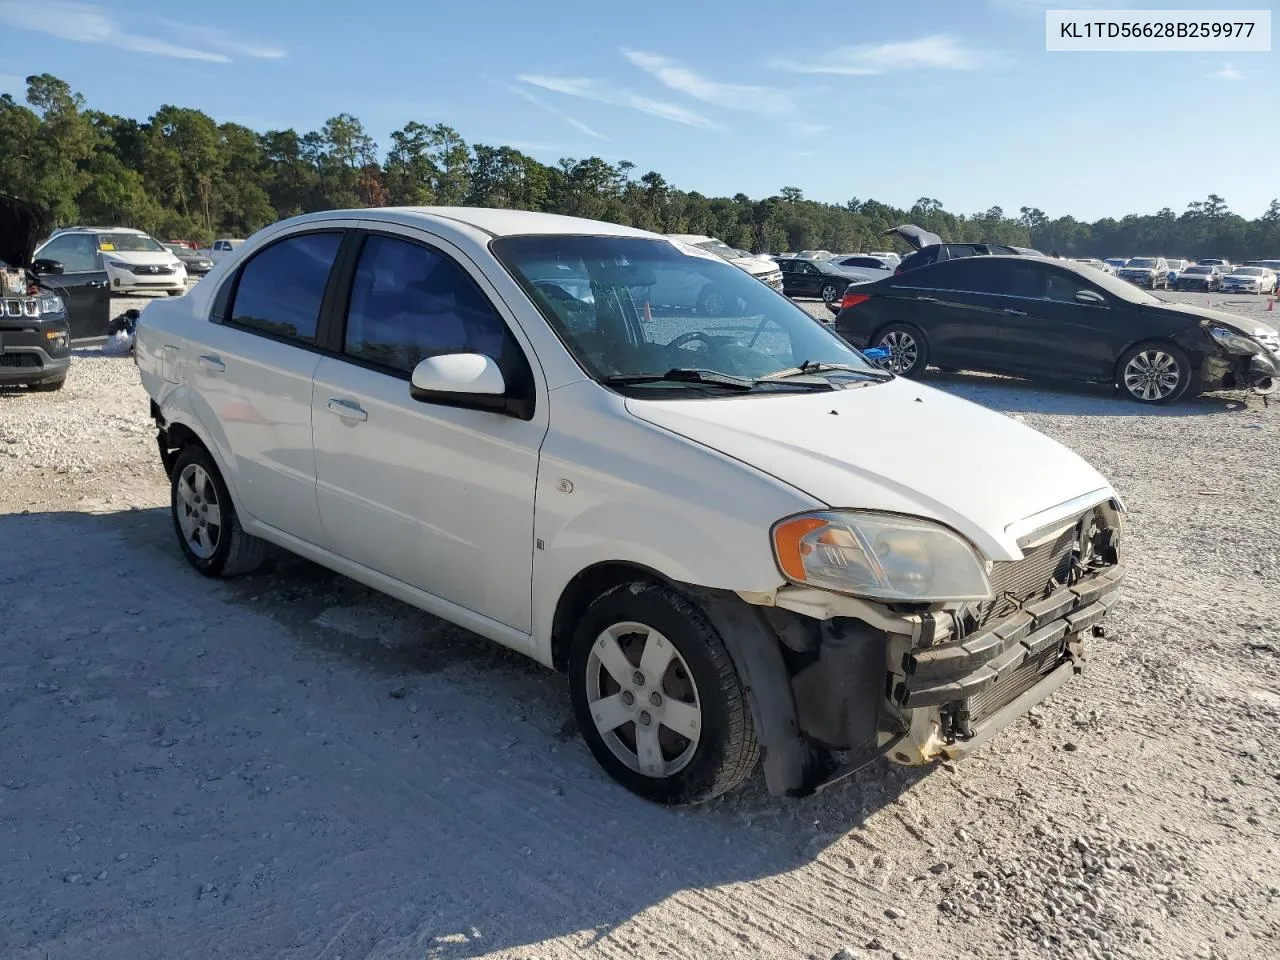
(26, 307)
(1036, 575)
(1009, 688)
(19, 360)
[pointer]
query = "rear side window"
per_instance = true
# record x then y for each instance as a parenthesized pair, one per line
(409, 302)
(280, 290)
(956, 251)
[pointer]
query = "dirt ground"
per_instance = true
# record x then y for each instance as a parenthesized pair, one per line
(290, 765)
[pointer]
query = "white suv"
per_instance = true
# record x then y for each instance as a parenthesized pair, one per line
(135, 262)
(735, 534)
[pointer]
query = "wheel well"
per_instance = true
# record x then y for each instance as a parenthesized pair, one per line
(582, 590)
(174, 438)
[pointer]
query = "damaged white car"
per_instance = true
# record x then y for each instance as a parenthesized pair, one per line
(736, 536)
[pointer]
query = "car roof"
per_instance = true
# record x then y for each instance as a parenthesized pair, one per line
(496, 223)
(142, 233)
(689, 237)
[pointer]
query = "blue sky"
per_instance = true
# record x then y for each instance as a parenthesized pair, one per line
(952, 99)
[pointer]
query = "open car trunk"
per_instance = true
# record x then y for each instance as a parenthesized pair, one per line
(21, 227)
(916, 237)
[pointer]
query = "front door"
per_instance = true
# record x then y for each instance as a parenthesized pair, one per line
(1049, 332)
(437, 497)
(82, 285)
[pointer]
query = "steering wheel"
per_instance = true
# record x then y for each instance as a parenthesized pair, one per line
(690, 337)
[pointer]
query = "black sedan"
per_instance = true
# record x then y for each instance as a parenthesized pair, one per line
(197, 264)
(1199, 277)
(1052, 319)
(820, 279)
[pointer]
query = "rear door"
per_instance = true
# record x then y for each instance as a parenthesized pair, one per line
(254, 369)
(83, 283)
(959, 309)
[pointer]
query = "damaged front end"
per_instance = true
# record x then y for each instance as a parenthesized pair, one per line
(918, 683)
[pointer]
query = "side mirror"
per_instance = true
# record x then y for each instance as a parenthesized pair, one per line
(469, 380)
(1090, 298)
(49, 267)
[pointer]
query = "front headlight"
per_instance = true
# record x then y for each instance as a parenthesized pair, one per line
(50, 303)
(1234, 342)
(119, 265)
(881, 556)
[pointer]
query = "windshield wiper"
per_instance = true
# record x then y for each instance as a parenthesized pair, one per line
(685, 375)
(810, 367)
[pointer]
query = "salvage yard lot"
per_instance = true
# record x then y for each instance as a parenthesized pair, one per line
(292, 765)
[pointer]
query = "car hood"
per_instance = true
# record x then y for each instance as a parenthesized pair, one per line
(21, 227)
(917, 237)
(1231, 321)
(141, 257)
(755, 266)
(896, 446)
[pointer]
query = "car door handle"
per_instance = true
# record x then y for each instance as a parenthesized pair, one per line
(347, 409)
(98, 284)
(212, 364)
(1014, 313)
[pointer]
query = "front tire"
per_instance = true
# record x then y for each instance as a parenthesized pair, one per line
(656, 696)
(908, 351)
(205, 520)
(1154, 373)
(829, 294)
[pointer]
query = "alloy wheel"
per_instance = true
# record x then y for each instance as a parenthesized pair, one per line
(904, 352)
(1152, 375)
(829, 293)
(199, 515)
(643, 699)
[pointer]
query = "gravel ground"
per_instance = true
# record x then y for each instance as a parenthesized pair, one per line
(292, 766)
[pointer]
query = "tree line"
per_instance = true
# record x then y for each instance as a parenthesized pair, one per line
(181, 174)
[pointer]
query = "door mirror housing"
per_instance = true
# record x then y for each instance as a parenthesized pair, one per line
(46, 267)
(1090, 298)
(469, 380)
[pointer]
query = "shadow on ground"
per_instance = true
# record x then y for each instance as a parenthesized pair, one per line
(320, 770)
(1009, 395)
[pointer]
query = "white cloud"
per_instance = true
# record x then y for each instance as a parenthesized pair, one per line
(937, 52)
(1225, 72)
(539, 102)
(804, 129)
(589, 89)
(84, 23)
(224, 41)
(764, 101)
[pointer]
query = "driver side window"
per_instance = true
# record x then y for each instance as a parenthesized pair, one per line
(1063, 287)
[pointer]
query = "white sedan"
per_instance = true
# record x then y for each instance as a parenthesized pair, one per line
(681, 512)
(1249, 280)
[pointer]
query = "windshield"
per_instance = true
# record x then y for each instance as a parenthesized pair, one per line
(634, 307)
(1143, 263)
(129, 243)
(178, 248)
(1121, 288)
(1248, 271)
(720, 249)
(1199, 270)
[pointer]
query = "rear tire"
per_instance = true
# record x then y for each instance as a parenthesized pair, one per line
(909, 353)
(656, 696)
(1154, 373)
(829, 293)
(205, 520)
